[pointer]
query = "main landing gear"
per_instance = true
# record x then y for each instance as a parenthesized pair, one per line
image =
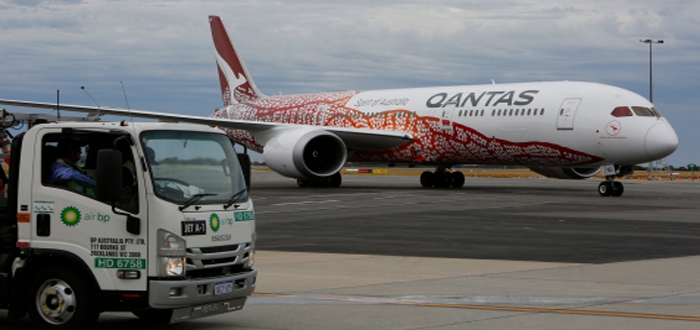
(332, 181)
(610, 187)
(441, 178)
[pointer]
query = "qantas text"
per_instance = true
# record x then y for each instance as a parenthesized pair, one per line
(492, 98)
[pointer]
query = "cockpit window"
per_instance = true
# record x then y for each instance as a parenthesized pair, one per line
(656, 112)
(643, 112)
(622, 112)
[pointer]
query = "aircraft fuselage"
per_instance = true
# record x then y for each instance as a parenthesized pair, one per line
(549, 124)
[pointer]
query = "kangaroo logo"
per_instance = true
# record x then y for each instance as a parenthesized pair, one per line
(613, 128)
(234, 81)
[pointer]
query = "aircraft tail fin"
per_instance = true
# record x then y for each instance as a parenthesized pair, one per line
(236, 84)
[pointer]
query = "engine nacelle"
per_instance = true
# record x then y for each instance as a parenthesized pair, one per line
(305, 153)
(566, 172)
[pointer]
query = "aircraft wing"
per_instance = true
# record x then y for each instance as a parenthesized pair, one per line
(356, 139)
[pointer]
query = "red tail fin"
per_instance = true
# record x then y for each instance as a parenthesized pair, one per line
(236, 84)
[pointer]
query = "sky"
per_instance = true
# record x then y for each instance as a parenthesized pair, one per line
(162, 51)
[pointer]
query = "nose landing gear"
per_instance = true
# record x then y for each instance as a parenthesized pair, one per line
(610, 187)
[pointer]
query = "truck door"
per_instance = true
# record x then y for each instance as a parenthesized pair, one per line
(67, 216)
(567, 114)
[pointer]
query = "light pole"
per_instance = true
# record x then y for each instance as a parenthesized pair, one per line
(651, 81)
(651, 89)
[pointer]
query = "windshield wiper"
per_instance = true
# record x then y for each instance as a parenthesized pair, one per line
(193, 200)
(234, 198)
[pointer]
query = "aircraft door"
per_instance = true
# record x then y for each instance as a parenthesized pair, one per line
(322, 112)
(567, 114)
(446, 120)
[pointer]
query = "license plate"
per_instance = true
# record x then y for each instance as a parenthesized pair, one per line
(194, 227)
(223, 287)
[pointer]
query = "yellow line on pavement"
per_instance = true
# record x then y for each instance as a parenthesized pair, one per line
(558, 311)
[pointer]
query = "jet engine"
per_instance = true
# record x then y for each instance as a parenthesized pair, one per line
(566, 172)
(305, 153)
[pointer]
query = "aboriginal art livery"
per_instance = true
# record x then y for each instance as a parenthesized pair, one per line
(566, 130)
(438, 138)
(559, 129)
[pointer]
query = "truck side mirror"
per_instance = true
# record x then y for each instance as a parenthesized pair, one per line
(109, 175)
(244, 161)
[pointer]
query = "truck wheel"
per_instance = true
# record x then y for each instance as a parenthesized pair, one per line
(154, 315)
(61, 300)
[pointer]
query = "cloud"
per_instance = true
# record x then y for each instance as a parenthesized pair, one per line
(163, 53)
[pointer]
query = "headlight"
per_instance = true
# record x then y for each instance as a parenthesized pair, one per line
(170, 245)
(174, 266)
(171, 250)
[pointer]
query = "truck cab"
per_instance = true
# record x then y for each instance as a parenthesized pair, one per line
(166, 230)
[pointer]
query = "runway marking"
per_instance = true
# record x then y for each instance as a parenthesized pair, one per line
(299, 299)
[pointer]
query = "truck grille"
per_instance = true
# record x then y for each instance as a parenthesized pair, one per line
(215, 261)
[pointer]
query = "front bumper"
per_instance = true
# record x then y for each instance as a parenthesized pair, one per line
(188, 294)
(195, 312)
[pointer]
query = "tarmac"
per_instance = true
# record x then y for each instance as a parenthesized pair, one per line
(383, 253)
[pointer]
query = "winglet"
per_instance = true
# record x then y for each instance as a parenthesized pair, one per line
(236, 83)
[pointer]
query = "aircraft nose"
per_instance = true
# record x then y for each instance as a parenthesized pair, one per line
(661, 140)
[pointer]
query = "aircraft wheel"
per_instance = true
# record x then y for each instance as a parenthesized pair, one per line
(441, 179)
(457, 179)
(617, 189)
(335, 180)
(321, 182)
(426, 179)
(605, 189)
(303, 183)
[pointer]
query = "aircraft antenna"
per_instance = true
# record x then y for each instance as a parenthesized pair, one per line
(93, 100)
(126, 99)
(128, 107)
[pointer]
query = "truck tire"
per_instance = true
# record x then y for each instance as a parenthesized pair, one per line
(59, 299)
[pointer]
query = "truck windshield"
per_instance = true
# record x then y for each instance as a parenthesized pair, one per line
(188, 167)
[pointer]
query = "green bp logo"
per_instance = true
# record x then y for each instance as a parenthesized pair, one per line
(70, 216)
(214, 222)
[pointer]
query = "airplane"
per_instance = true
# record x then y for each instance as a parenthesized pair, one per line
(563, 129)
